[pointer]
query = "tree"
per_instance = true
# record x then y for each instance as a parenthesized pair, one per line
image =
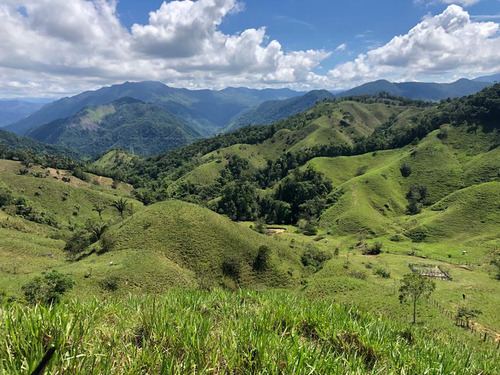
(415, 196)
(121, 205)
(99, 208)
(414, 286)
(48, 288)
(97, 229)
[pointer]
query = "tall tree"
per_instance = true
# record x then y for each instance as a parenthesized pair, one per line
(414, 286)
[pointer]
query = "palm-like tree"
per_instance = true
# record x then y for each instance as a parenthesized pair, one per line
(121, 205)
(99, 208)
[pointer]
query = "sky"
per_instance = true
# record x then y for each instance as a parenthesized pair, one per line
(56, 48)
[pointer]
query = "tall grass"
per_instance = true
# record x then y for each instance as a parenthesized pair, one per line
(222, 332)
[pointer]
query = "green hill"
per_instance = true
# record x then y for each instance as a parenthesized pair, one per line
(12, 142)
(143, 128)
(177, 243)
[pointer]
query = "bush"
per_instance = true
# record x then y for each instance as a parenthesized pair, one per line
(232, 268)
(374, 249)
(48, 288)
(6, 197)
(405, 170)
(261, 262)
(108, 243)
(110, 283)
(78, 242)
(417, 234)
(357, 274)
(381, 271)
(315, 258)
(79, 173)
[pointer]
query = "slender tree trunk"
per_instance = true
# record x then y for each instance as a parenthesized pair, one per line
(414, 311)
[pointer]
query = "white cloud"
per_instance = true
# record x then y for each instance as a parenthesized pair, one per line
(465, 3)
(55, 43)
(341, 47)
(444, 44)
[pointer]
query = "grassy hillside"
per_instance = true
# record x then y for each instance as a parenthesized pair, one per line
(198, 243)
(345, 200)
(166, 244)
(328, 125)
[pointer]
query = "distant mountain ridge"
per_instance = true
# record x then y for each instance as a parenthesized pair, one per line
(491, 78)
(207, 111)
(127, 123)
(210, 112)
(419, 90)
(12, 110)
(275, 110)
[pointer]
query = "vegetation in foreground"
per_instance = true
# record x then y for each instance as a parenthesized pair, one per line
(229, 333)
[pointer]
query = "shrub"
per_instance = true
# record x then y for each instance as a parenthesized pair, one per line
(108, 243)
(110, 283)
(78, 242)
(315, 258)
(261, 262)
(259, 227)
(232, 268)
(6, 197)
(357, 274)
(405, 170)
(79, 173)
(381, 271)
(417, 234)
(48, 288)
(374, 249)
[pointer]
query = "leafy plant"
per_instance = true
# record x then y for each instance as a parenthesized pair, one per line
(48, 288)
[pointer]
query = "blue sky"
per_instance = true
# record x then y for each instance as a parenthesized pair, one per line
(62, 47)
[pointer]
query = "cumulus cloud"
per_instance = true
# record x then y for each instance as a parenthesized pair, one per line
(446, 43)
(58, 47)
(52, 43)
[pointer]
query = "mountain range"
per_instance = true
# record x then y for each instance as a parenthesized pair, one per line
(207, 111)
(93, 121)
(420, 90)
